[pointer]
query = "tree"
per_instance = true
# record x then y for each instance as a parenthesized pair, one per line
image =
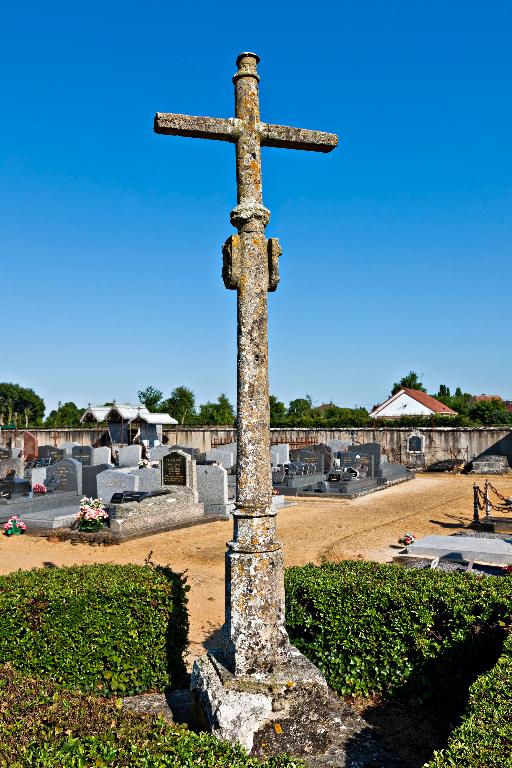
(411, 381)
(489, 412)
(300, 408)
(20, 404)
(220, 413)
(67, 415)
(150, 397)
(180, 405)
(277, 410)
(444, 391)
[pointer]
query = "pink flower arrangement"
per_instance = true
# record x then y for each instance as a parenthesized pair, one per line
(14, 526)
(91, 514)
(39, 488)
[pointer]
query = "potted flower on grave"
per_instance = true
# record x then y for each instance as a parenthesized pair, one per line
(144, 463)
(407, 539)
(14, 526)
(39, 488)
(91, 515)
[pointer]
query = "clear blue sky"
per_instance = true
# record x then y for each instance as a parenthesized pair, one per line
(396, 246)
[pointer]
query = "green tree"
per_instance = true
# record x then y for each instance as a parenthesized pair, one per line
(488, 412)
(66, 415)
(444, 391)
(300, 408)
(220, 413)
(411, 381)
(277, 411)
(20, 405)
(150, 397)
(181, 405)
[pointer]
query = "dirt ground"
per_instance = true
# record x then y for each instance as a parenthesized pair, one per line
(312, 531)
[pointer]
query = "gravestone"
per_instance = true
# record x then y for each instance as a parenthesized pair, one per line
(130, 455)
(30, 445)
(68, 472)
(178, 470)
(5, 453)
(112, 481)
(12, 465)
(38, 476)
(149, 478)
(102, 455)
(227, 459)
(158, 452)
(51, 452)
(68, 449)
(193, 452)
(319, 456)
(89, 479)
(338, 445)
(280, 454)
(212, 489)
(83, 454)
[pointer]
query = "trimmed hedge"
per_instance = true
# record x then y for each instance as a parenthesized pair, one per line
(369, 627)
(43, 726)
(113, 629)
(484, 737)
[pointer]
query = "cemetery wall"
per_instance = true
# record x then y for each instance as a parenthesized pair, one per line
(463, 443)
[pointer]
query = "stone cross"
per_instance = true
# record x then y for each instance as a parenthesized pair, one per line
(255, 639)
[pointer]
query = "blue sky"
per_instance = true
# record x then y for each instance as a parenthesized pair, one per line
(396, 246)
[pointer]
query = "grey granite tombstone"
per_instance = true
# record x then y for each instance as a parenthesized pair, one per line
(149, 478)
(68, 448)
(158, 452)
(227, 459)
(38, 476)
(112, 481)
(102, 455)
(212, 489)
(69, 474)
(130, 455)
(280, 454)
(83, 454)
(89, 479)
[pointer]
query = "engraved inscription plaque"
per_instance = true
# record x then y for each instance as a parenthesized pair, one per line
(174, 469)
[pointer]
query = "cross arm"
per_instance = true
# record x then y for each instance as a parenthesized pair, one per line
(222, 129)
(297, 138)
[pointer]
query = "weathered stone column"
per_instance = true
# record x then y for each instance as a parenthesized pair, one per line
(254, 634)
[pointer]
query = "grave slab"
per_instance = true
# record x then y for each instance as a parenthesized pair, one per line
(494, 551)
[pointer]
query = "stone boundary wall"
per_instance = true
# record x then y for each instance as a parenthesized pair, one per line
(462, 443)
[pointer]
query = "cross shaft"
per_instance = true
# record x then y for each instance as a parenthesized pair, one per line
(255, 640)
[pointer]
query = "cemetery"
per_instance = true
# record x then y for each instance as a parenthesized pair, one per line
(300, 645)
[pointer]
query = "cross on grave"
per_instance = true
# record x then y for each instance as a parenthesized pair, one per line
(254, 637)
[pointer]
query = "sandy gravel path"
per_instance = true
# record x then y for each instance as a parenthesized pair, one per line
(312, 531)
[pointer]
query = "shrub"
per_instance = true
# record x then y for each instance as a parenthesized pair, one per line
(42, 726)
(108, 628)
(369, 627)
(484, 737)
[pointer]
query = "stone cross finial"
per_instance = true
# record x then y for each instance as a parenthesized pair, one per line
(255, 640)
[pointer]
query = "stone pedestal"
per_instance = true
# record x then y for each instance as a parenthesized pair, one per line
(237, 708)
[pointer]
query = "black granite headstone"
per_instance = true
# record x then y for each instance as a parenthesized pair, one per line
(83, 454)
(174, 469)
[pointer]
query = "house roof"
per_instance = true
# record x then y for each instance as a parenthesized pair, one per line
(429, 402)
(421, 397)
(128, 413)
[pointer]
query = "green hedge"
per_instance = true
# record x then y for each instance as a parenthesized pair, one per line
(43, 726)
(369, 627)
(484, 738)
(104, 628)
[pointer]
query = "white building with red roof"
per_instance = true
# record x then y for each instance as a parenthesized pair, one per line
(411, 402)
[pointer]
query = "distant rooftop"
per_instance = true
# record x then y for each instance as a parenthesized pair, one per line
(127, 412)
